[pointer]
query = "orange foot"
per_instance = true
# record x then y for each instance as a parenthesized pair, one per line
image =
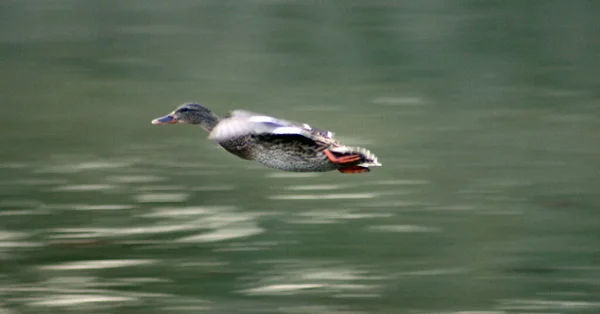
(354, 169)
(343, 159)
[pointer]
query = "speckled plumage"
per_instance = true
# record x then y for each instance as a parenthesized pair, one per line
(275, 143)
(285, 152)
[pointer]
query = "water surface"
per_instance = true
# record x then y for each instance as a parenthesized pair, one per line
(484, 115)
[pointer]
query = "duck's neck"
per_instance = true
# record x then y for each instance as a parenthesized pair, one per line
(208, 120)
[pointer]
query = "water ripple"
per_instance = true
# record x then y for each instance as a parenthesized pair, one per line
(82, 166)
(285, 175)
(400, 182)
(33, 181)
(85, 187)
(19, 244)
(332, 216)
(103, 207)
(104, 232)
(213, 188)
(314, 187)
(400, 101)
(187, 211)
(21, 203)
(161, 197)
(151, 188)
(292, 277)
(281, 289)
(24, 212)
(135, 179)
(12, 165)
(9, 235)
(99, 264)
(403, 228)
(78, 299)
(223, 234)
(324, 196)
(547, 305)
(94, 165)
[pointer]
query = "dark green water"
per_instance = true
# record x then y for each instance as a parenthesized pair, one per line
(485, 115)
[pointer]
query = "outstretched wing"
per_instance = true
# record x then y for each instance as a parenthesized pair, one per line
(242, 123)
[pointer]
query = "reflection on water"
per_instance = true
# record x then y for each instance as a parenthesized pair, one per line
(180, 248)
(323, 196)
(96, 264)
(161, 197)
(301, 277)
(485, 116)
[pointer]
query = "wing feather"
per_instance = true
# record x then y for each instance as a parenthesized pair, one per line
(242, 123)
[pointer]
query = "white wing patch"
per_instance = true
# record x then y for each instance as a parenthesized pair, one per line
(241, 123)
(263, 119)
(289, 130)
(243, 113)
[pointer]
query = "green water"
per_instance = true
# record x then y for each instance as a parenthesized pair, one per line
(485, 116)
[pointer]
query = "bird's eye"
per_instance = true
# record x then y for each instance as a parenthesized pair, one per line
(184, 110)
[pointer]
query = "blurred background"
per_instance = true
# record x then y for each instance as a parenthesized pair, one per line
(483, 113)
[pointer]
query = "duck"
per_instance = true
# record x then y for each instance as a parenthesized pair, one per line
(273, 142)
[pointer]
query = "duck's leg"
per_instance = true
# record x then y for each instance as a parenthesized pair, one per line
(342, 159)
(354, 169)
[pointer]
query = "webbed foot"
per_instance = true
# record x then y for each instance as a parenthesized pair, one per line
(354, 169)
(342, 159)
